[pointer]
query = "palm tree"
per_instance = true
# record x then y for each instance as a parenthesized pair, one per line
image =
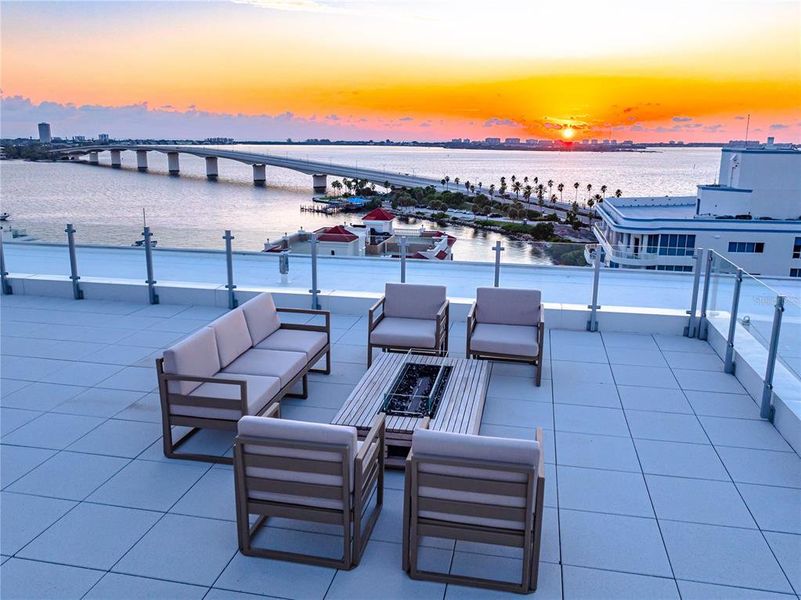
(480, 185)
(472, 189)
(589, 189)
(516, 185)
(492, 190)
(590, 202)
(456, 180)
(540, 194)
(618, 193)
(561, 188)
(576, 187)
(525, 179)
(550, 186)
(447, 179)
(337, 186)
(553, 198)
(527, 193)
(467, 185)
(513, 178)
(603, 191)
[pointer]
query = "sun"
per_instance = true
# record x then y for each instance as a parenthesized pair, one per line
(568, 133)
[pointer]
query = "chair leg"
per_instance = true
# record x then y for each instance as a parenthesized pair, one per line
(539, 371)
(369, 355)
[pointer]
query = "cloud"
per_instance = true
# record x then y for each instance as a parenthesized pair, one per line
(292, 5)
(776, 126)
(406, 119)
(496, 122)
(681, 119)
(739, 118)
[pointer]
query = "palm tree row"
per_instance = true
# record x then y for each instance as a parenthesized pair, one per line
(538, 189)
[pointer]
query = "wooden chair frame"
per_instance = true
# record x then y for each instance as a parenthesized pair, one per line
(536, 360)
(168, 399)
(440, 334)
(415, 527)
(368, 472)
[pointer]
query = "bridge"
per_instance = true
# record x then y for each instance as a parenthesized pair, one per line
(318, 170)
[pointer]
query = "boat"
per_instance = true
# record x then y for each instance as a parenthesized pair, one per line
(141, 243)
(5, 216)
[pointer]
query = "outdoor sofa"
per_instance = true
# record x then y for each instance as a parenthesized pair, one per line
(238, 365)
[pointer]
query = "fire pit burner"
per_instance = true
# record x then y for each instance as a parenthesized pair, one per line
(417, 390)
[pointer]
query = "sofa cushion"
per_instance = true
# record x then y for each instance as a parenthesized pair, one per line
(195, 355)
(233, 337)
(517, 340)
(261, 317)
(260, 391)
(305, 432)
(440, 444)
(295, 340)
(508, 306)
(409, 301)
(404, 333)
(273, 363)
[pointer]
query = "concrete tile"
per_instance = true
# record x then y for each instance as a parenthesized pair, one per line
(613, 542)
(126, 587)
(652, 377)
(670, 427)
(549, 587)
(186, 550)
(347, 353)
(708, 381)
(117, 354)
(41, 396)
(24, 517)
(16, 461)
(675, 343)
(211, 497)
(723, 555)
(698, 501)
(597, 490)
(590, 419)
(744, 433)
(149, 338)
(98, 402)
(323, 394)
(501, 568)
(787, 550)
(680, 460)
(692, 590)
(80, 373)
(522, 388)
(147, 409)
(296, 411)
(9, 386)
(217, 594)
(28, 369)
(91, 535)
(593, 353)
(26, 579)
(381, 562)
(654, 399)
(69, 475)
(137, 379)
(14, 418)
(581, 583)
(584, 372)
(54, 431)
(636, 357)
(513, 369)
(714, 404)
(280, 578)
(586, 394)
(774, 508)
(638, 341)
(127, 439)
(764, 467)
(596, 451)
(506, 411)
(341, 372)
(694, 361)
(149, 485)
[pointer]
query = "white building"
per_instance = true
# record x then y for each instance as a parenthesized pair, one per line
(44, 133)
(752, 216)
(103, 138)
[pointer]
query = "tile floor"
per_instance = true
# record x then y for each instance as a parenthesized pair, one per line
(662, 481)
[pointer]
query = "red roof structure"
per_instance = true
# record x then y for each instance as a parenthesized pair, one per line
(335, 234)
(378, 214)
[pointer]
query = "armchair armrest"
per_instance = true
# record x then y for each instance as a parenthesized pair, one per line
(306, 326)
(377, 430)
(471, 325)
(441, 331)
(273, 412)
(371, 321)
(243, 385)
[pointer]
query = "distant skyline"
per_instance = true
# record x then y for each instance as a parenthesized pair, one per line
(403, 70)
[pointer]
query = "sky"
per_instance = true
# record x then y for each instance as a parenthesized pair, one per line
(403, 69)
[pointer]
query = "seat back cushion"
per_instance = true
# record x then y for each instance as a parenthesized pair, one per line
(233, 337)
(409, 301)
(196, 356)
(267, 428)
(261, 317)
(508, 306)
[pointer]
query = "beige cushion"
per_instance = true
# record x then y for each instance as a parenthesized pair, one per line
(296, 340)
(261, 317)
(195, 355)
(508, 306)
(300, 431)
(474, 448)
(260, 391)
(409, 301)
(404, 333)
(233, 337)
(273, 363)
(517, 340)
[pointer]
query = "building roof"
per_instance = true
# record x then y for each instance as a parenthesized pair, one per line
(378, 214)
(338, 233)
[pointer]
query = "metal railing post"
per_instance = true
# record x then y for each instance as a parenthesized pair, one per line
(592, 324)
(283, 266)
(728, 367)
(766, 411)
(692, 328)
(5, 286)
(314, 291)
(229, 264)
(77, 292)
(497, 249)
(151, 283)
(403, 242)
(703, 324)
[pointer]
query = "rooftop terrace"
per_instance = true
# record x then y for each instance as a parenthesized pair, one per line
(661, 479)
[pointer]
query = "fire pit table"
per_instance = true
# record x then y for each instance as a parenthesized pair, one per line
(438, 392)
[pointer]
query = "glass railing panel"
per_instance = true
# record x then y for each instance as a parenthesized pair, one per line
(789, 348)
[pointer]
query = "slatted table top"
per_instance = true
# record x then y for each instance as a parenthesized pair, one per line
(459, 410)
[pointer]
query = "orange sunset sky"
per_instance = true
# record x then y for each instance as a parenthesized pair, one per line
(358, 69)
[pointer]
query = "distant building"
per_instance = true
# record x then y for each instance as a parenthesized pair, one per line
(219, 140)
(456, 141)
(512, 141)
(338, 241)
(79, 138)
(103, 138)
(44, 133)
(532, 142)
(492, 141)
